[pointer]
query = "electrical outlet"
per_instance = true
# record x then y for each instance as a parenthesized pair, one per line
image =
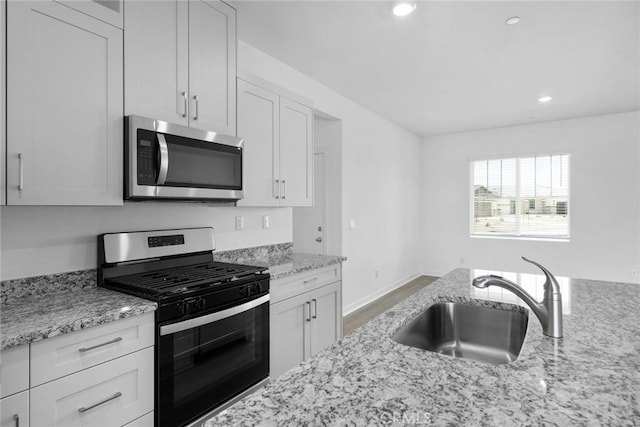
(265, 221)
(352, 224)
(634, 273)
(239, 223)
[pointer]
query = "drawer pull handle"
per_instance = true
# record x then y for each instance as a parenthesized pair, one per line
(313, 279)
(108, 399)
(315, 308)
(16, 418)
(309, 308)
(83, 349)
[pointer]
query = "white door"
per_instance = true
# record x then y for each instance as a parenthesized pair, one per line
(309, 224)
(325, 317)
(212, 66)
(64, 107)
(156, 73)
(296, 153)
(258, 117)
(289, 340)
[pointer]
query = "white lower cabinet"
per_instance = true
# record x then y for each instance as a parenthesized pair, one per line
(110, 394)
(14, 410)
(144, 421)
(304, 324)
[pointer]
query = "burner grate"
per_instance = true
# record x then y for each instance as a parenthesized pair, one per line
(179, 279)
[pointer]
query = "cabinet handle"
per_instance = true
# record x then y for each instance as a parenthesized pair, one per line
(195, 98)
(315, 308)
(184, 99)
(309, 311)
(83, 349)
(108, 399)
(16, 418)
(313, 279)
(284, 191)
(20, 171)
(278, 185)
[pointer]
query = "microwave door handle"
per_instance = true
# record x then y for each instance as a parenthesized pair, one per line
(164, 159)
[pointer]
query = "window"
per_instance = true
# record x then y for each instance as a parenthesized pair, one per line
(521, 197)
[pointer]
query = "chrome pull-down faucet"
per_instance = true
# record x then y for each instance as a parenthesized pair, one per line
(549, 311)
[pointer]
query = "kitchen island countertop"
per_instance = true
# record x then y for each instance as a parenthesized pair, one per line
(589, 377)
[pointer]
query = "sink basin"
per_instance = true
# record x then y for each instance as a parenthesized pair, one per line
(483, 334)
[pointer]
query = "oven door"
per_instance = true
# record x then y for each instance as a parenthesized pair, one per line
(209, 359)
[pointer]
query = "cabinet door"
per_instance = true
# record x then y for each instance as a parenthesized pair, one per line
(14, 370)
(212, 66)
(14, 410)
(156, 73)
(326, 317)
(64, 107)
(258, 117)
(109, 11)
(289, 340)
(296, 153)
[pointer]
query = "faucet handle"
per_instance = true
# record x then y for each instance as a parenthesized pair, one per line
(551, 286)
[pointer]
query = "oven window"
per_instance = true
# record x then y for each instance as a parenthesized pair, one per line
(202, 367)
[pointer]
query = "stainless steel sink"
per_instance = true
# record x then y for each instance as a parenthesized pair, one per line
(484, 334)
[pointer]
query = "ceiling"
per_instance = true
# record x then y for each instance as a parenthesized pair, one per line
(455, 66)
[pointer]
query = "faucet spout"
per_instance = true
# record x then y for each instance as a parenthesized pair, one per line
(549, 311)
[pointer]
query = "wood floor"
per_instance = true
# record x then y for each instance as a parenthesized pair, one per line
(361, 316)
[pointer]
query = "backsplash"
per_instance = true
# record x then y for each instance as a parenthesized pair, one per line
(50, 283)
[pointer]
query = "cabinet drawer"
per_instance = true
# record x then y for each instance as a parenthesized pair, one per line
(110, 394)
(69, 353)
(14, 370)
(14, 410)
(290, 286)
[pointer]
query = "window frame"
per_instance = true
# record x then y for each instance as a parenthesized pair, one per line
(518, 198)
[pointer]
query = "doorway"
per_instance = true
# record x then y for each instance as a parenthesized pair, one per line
(317, 230)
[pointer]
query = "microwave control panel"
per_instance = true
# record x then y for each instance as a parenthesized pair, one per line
(146, 155)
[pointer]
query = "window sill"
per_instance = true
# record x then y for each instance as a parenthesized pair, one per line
(530, 238)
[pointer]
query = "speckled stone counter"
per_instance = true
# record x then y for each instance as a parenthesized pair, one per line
(280, 259)
(590, 377)
(46, 306)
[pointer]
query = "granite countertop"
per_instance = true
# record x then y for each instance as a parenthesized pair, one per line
(47, 306)
(279, 259)
(589, 377)
(288, 264)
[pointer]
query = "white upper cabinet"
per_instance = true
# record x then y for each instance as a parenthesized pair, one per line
(64, 107)
(109, 11)
(278, 147)
(296, 153)
(180, 62)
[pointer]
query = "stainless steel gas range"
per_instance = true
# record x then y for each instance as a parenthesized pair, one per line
(212, 322)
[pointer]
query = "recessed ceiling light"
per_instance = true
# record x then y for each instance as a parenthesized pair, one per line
(403, 8)
(545, 98)
(513, 20)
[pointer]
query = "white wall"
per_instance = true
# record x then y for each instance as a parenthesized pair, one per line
(604, 200)
(39, 240)
(380, 176)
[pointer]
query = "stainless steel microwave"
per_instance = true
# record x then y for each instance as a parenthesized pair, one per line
(175, 162)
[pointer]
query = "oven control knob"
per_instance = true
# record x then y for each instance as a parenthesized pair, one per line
(244, 291)
(180, 306)
(256, 288)
(201, 303)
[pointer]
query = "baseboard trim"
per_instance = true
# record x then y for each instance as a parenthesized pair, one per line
(382, 292)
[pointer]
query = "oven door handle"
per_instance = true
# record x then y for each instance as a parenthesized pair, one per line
(213, 317)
